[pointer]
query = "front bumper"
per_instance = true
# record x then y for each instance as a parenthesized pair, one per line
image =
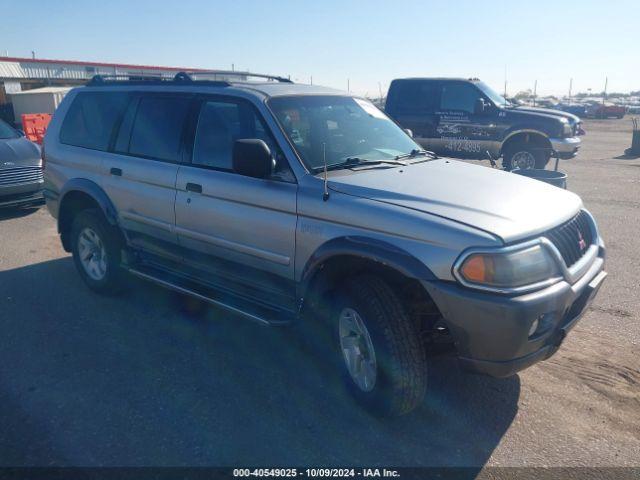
(21, 195)
(565, 147)
(491, 331)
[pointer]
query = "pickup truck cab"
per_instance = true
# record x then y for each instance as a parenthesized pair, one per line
(296, 204)
(465, 118)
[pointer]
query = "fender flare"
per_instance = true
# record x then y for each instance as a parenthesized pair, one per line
(366, 248)
(96, 192)
(509, 134)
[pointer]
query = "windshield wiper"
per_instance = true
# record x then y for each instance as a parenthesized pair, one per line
(357, 161)
(414, 153)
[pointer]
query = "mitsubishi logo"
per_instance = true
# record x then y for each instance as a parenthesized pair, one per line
(581, 243)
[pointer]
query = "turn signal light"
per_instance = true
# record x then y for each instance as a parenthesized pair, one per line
(478, 269)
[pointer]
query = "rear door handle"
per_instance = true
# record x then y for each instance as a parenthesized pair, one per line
(194, 187)
(116, 171)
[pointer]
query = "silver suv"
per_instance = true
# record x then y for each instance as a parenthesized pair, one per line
(292, 203)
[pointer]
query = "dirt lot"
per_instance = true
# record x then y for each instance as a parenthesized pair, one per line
(90, 380)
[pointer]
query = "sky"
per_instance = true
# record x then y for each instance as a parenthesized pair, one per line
(362, 45)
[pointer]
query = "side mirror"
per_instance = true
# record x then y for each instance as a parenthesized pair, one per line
(479, 106)
(252, 158)
(408, 131)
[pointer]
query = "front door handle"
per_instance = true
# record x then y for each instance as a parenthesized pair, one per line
(116, 171)
(194, 187)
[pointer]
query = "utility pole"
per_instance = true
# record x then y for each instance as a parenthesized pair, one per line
(570, 88)
(505, 82)
(348, 86)
(535, 92)
(233, 67)
(311, 80)
(380, 90)
(606, 83)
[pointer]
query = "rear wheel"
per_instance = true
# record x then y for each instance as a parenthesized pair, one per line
(525, 156)
(380, 352)
(96, 252)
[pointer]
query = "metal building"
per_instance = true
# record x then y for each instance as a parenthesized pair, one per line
(20, 74)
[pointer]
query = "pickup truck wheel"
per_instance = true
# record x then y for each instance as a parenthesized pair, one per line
(525, 157)
(382, 358)
(96, 252)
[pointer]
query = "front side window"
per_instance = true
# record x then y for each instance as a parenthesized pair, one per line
(157, 128)
(7, 132)
(337, 128)
(220, 124)
(459, 97)
(91, 119)
(494, 96)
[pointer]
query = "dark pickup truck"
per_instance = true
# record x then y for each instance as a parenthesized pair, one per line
(465, 118)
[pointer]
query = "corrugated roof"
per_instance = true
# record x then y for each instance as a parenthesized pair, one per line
(11, 70)
(97, 64)
(44, 90)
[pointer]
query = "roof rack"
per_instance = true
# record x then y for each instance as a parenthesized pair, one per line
(236, 73)
(180, 77)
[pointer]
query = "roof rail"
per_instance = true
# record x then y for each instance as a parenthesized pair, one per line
(180, 77)
(146, 79)
(236, 73)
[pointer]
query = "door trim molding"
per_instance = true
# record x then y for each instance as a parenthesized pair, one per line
(235, 246)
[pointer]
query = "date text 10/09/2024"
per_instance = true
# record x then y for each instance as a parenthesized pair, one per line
(316, 472)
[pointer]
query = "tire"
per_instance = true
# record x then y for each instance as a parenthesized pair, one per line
(400, 378)
(91, 224)
(539, 156)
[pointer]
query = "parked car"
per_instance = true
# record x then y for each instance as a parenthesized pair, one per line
(576, 109)
(467, 119)
(605, 110)
(287, 203)
(20, 169)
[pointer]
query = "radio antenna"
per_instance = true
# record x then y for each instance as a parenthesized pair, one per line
(325, 195)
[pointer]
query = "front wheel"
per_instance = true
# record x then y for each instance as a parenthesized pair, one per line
(383, 359)
(96, 252)
(525, 157)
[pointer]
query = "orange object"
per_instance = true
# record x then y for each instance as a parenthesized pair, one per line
(35, 125)
(478, 268)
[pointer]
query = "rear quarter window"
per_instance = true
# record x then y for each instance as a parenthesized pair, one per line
(92, 119)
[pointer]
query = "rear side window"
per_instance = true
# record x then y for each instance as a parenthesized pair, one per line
(91, 119)
(413, 96)
(157, 128)
(459, 96)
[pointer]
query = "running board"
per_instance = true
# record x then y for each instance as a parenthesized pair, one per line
(257, 313)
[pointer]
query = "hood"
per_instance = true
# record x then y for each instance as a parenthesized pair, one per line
(502, 203)
(548, 112)
(18, 152)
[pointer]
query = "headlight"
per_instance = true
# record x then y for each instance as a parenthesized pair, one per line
(567, 130)
(517, 269)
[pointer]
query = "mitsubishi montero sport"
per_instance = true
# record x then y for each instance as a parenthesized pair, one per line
(290, 203)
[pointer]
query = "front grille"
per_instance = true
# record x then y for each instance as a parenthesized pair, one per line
(14, 176)
(573, 238)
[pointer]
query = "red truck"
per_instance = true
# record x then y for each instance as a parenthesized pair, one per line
(605, 110)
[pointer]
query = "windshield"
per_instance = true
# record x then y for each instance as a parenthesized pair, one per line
(494, 96)
(6, 131)
(339, 128)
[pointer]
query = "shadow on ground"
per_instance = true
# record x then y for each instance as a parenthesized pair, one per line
(10, 213)
(129, 380)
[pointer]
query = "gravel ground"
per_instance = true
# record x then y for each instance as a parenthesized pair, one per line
(118, 381)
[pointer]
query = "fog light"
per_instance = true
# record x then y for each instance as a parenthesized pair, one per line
(534, 326)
